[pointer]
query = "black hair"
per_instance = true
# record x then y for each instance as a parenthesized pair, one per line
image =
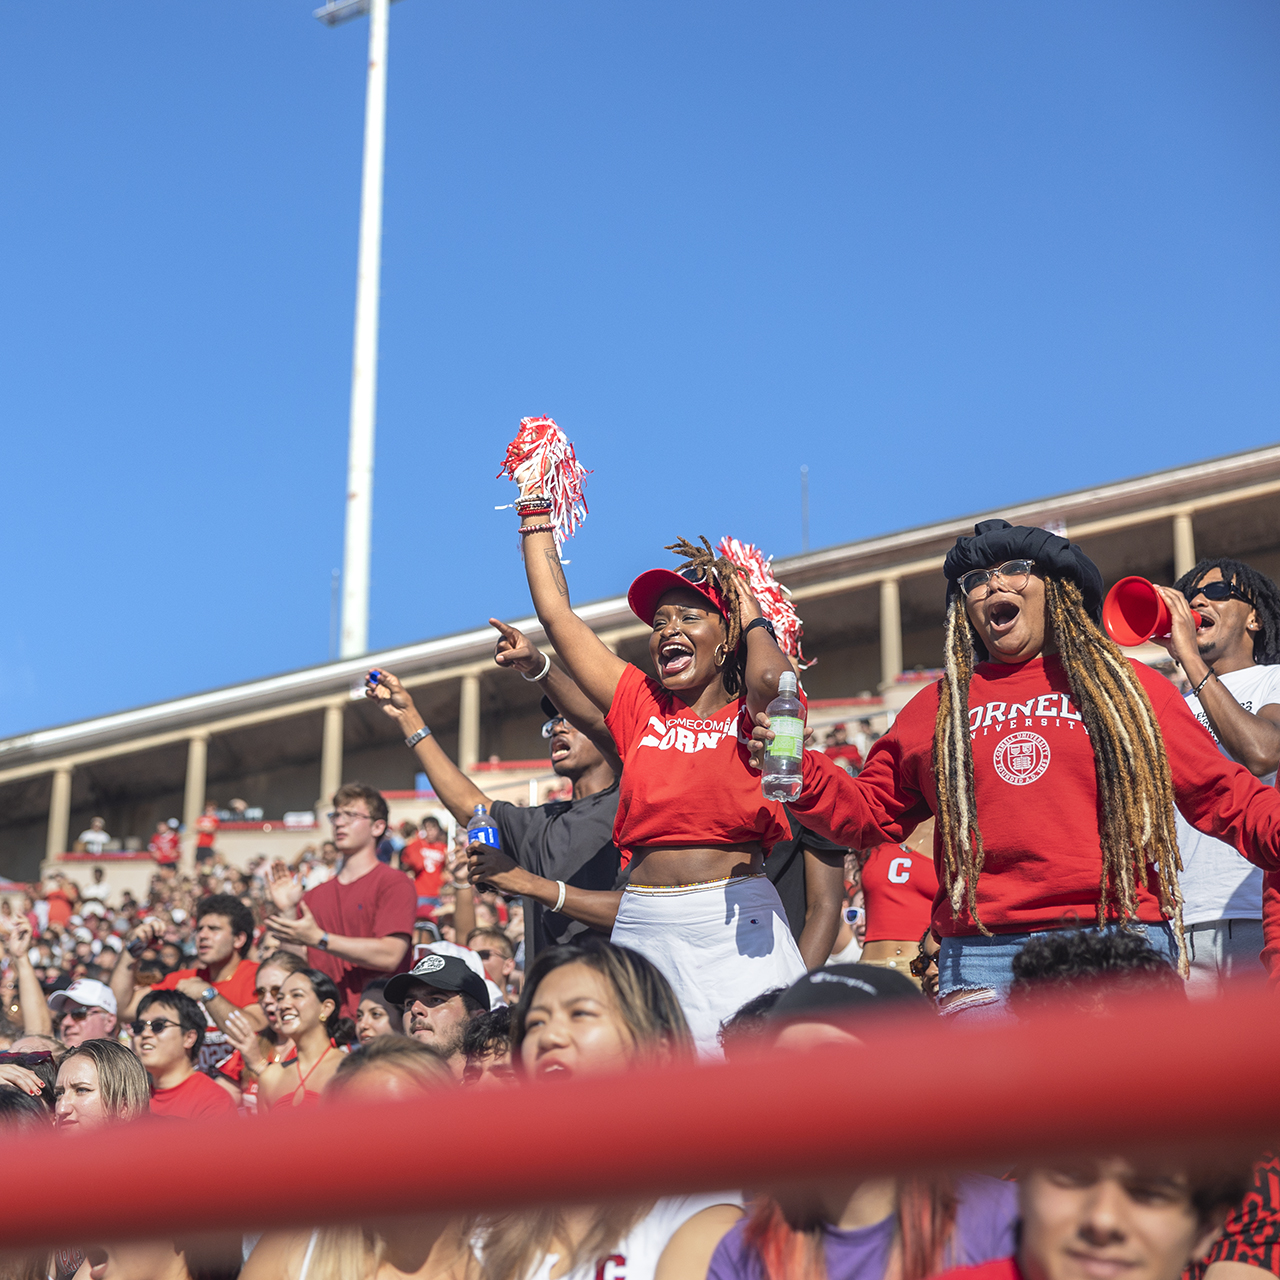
(1071, 965)
(238, 916)
(191, 1016)
(1263, 595)
(324, 987)
(489, 1033)
(20, 1110)
(751, 1020)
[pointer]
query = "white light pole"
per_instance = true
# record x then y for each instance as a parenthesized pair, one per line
(354, 638)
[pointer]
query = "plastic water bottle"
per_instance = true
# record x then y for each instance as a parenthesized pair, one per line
(784, 759)
(483, 830)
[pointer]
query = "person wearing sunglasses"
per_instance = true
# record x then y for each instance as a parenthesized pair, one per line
(558, 856)
(1053, 765)
(692, 821)
(86, 1010)
(167, 1034)
(1231, 661)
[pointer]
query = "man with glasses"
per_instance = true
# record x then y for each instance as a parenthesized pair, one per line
(167, 1034)
(560, 856)
(1232, 662)
(357, 925)
(86, 1010)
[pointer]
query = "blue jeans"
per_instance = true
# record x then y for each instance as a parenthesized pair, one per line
(975, 973)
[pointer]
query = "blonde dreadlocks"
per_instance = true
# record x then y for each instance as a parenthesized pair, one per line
(1135, 788)
(725, 573)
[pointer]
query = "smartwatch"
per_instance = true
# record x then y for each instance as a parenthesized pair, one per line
(323, 944)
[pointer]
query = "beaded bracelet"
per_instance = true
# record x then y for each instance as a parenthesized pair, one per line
(526, 530)
(534, 506)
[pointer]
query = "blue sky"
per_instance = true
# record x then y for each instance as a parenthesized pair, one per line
(948, 256)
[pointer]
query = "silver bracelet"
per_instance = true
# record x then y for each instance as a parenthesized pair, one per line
(542, 675)
(413, 739)
(560, 899)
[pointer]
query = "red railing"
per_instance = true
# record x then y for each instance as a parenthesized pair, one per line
(919, 1094)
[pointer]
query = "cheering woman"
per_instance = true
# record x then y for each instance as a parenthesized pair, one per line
(1053, 765)
(691, 816)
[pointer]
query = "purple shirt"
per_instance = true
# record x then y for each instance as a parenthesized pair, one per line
(986, 1214)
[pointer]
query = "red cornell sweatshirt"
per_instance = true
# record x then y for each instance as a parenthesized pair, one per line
(1037, 796)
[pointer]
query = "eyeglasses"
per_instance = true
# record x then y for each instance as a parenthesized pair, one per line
(273, 992)
(77, 1013)
(1014, 572)
(922, 964)
(350, 814)
(26, 1059)
(485, 954)
(1217, 591)
(157, 1026)
(549, 729)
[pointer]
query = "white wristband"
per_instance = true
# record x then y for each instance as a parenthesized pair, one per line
(560, 899)
(542, 675)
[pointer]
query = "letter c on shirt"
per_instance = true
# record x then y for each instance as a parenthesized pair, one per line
(900, 870)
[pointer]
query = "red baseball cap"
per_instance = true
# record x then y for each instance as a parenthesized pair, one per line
(651, 586)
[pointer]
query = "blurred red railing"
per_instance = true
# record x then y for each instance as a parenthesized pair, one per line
(919, 1094)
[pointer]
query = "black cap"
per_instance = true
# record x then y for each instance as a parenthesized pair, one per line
(445, 973)
(840, 989)
(995, 541)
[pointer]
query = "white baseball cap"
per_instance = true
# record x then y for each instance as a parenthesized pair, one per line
(86, 991)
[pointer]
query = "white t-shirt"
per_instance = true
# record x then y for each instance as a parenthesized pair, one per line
(94, 841)
(636, 1257)
(1217, 883)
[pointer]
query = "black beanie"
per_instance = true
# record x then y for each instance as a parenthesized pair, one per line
(995, 541)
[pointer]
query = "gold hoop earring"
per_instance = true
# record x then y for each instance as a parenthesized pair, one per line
(721, 654)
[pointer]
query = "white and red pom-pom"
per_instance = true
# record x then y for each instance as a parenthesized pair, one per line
(773, 598)
(541, 461)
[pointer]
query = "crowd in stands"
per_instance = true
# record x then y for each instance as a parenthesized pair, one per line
(1010, 844)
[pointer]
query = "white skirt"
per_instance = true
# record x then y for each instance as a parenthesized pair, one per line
(719, 944)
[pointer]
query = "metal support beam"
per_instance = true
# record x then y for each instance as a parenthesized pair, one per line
(330, 757)
(890, 633)
(193, 797)
(364, 362)
(1184, 543)
(469, 722)
(59, 815)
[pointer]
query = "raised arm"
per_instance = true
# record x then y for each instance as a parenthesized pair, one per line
(594, 667)
(1251, 738)
(517, 652)
(765, 661)
(456, 791)
(36, 1018)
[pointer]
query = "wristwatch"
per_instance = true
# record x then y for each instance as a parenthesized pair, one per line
(208, 994)
(323, 944)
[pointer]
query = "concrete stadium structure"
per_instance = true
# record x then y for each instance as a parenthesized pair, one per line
(872, 612)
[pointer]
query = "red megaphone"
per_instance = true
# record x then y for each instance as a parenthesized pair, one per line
(1134, 611)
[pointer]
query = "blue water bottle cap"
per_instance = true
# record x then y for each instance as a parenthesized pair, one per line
(375, 676)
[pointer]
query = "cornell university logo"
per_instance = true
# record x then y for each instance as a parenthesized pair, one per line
(1021, 758)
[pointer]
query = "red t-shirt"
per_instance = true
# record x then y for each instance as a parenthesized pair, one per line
(207, 828)
(426, 861)
(686, 780)
(194, 1099)
(59, 906)
(381, 904)
(1036, 795)
(163, 847)
(899, 888)
(997, 1269)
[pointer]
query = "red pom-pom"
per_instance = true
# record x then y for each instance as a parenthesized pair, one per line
(541, 461)
(772, 597)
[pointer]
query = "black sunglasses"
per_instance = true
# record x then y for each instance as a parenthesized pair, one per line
(1217, 592)
(26, 1059)
(157, 1025)
(486, 953)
